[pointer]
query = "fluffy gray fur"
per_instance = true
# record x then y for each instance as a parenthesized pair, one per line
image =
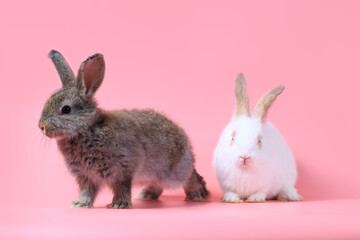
(116, 148)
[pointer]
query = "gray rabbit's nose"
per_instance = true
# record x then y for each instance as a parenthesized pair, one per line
(42, 127)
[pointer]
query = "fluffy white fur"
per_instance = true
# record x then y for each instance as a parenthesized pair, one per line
(269, 173)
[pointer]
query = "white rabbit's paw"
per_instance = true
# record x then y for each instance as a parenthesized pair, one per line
(256, 197)
(289, 195)
(231, 197)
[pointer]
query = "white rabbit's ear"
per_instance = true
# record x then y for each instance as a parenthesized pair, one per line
(91, 74)
(66, 74)
(242, 98)
(262, 107)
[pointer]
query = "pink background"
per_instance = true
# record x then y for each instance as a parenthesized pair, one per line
(182, 58)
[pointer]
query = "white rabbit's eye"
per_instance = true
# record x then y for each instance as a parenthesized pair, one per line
(232, 141)
(259, 142)
(66, 109)
(233, 135)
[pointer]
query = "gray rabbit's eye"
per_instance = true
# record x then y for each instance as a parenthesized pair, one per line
(66, 109)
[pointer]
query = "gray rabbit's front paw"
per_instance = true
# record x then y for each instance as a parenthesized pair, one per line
(120, 204)
(80, 204)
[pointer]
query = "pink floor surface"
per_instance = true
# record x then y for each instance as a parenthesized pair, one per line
(172, 218)
(182, 58)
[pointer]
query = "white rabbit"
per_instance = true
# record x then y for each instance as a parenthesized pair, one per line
(252, 161)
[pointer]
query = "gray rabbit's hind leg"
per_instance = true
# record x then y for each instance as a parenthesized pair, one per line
(149, 193)
(195, 188)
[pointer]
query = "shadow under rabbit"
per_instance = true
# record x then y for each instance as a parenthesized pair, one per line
(167, 201)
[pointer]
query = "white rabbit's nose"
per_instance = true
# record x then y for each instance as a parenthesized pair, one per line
(244, 157)
(244, 160)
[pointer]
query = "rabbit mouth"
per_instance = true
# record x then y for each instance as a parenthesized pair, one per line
(243, 164)
(51, 134)
(57, 137)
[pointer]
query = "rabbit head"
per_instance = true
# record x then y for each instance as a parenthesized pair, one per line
(73, 107)
(243, 140)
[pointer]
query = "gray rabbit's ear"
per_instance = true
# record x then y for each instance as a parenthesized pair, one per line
(262, 107)
(242, 98)
(66, 74)
(91, 74)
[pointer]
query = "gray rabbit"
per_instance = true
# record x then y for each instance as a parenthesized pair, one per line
(116, 148)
